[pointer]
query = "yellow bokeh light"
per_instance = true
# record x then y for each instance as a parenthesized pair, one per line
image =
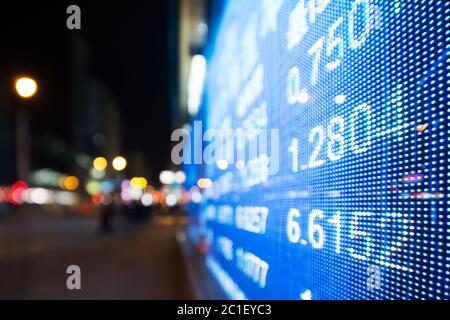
(93, 187)
(119, 163)
(71, 183)
(26, 87)
(204, 183)
(138, 183)
(100, 163)
(422, 127)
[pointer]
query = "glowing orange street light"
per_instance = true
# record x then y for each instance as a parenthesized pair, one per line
(26, 88)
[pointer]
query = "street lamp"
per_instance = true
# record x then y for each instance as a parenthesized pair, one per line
(26, 88)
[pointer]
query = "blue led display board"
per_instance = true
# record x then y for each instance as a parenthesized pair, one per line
(350, 198)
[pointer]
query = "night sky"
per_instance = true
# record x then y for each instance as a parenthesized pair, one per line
(129, 42)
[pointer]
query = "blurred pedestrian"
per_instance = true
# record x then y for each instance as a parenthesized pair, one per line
(108, 215)
(107, 218)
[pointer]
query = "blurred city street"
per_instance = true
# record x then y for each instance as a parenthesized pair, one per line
(86, 176)
(225, 150)
(135, 262)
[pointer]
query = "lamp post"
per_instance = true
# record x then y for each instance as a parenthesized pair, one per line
(26, 88)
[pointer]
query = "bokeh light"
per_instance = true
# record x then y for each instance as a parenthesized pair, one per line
(204, 183)
(100, 163)
(180, 177)
(119, 163)
(97, 174)
(71, 183)
(167, 177)
(26, 87)
(138, 183)
(171, 199)
(147, 200)
(93, 187)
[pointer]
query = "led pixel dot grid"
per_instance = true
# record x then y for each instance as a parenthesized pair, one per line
(359, 207)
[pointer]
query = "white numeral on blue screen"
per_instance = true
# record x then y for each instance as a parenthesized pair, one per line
(357, 235)
(364, 111)
(335, 43)
(336, 142)
(316, 136)
(336, 221)
(315, 231)
(293, 149)
(355, 40)
(315, 51)
(293, 227)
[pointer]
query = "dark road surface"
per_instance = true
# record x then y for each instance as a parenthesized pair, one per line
(142, 262)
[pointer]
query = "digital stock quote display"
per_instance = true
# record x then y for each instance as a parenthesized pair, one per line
(359, 93)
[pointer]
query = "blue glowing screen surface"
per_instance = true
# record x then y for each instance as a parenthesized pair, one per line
(359, 93)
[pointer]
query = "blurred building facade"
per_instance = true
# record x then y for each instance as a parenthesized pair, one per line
(6, 137)
(192, 35)
(96, 125)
